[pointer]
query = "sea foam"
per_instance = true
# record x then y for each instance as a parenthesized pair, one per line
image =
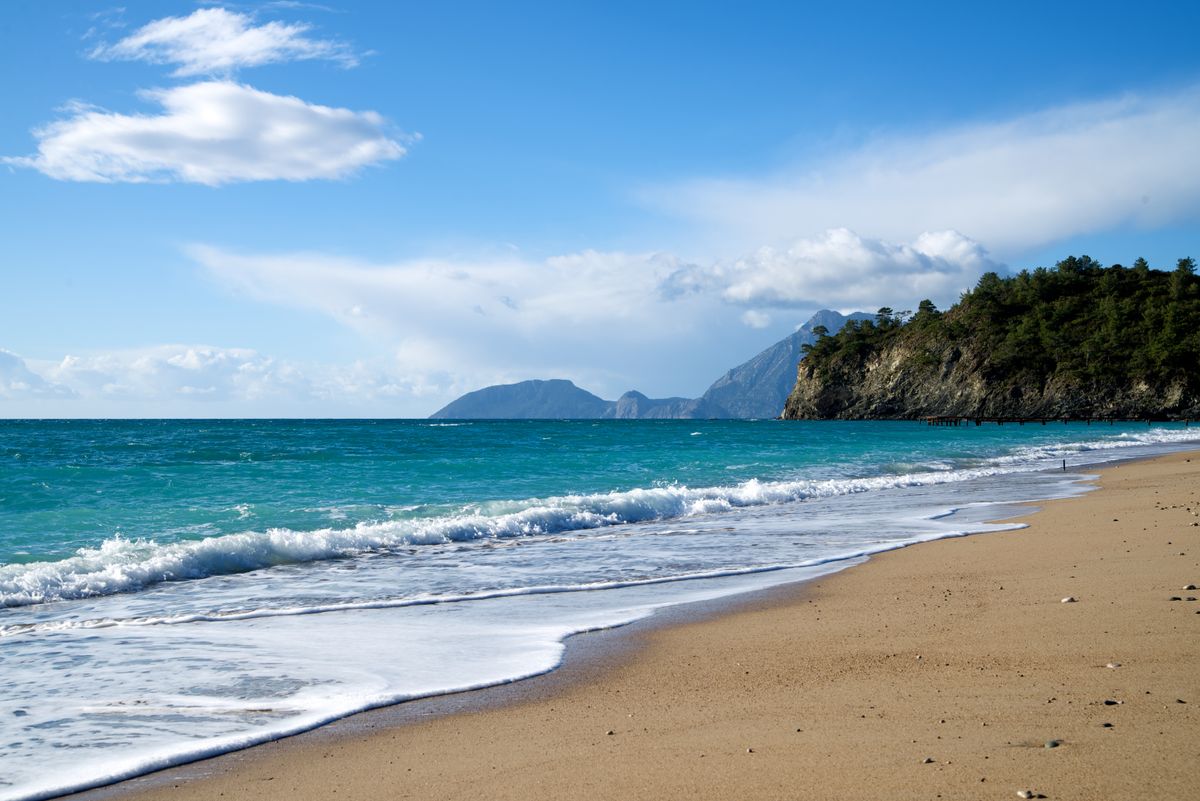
(124, 565)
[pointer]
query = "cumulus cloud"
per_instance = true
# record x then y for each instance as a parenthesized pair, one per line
(1013, 184)
(219, 41)
(839, 269)
(842, 269)
(18, 381)
(213, 133)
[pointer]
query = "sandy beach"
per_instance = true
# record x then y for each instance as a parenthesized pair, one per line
(951, 669)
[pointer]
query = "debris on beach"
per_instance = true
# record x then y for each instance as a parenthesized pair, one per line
(1113, 665)
(1053, 743)
(1070, 599)
(927, 760)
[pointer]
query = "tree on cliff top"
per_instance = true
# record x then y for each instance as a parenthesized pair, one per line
(1079, 323)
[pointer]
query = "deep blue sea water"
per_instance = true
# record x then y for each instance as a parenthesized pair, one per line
(172, 589)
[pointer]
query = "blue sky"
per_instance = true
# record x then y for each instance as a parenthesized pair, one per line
(368, 208)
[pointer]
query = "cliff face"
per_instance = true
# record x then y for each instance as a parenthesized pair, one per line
(903, 381)
(1081, 340)
(759, 387)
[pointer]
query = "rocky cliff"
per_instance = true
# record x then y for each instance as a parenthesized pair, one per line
(759, 387)
(1077, 341)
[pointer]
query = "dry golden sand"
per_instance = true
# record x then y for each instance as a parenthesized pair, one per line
(957, 650)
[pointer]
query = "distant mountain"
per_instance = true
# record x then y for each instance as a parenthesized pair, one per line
(636, 406)
(756, 389)
(759, 388)
(555, 399)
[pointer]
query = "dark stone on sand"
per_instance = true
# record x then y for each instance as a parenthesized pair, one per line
(1053, 743)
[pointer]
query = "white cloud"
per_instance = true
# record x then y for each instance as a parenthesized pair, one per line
(219, 41)
(844, 270)
(17, 381)
(214, 132)
(202, 380)
(755, 318)
(611, 321)
(598, 318)
(589, 298)
(1012, 184)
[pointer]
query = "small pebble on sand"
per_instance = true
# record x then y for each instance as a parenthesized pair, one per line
(1053, 743)
(926, 760)
(1026, 794)
(1189, 586)
(1113, 665)
(1070, 599)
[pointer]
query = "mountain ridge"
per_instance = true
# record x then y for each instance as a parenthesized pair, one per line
(757, 388)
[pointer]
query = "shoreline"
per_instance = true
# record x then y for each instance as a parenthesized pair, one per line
(587, 671)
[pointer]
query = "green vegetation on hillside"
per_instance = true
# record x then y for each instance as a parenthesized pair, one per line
(1079, 324)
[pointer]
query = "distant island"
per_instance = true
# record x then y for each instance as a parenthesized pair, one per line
(756, 389)
(1080, 340)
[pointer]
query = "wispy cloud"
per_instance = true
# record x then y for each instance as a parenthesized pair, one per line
(220, 41)
(608, 320)
(213, 133)
(615, 317)
(1012, 184)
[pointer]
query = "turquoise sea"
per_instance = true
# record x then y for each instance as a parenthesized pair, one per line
(175, 589)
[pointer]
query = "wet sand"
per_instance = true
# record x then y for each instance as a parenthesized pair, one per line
(939, 671)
